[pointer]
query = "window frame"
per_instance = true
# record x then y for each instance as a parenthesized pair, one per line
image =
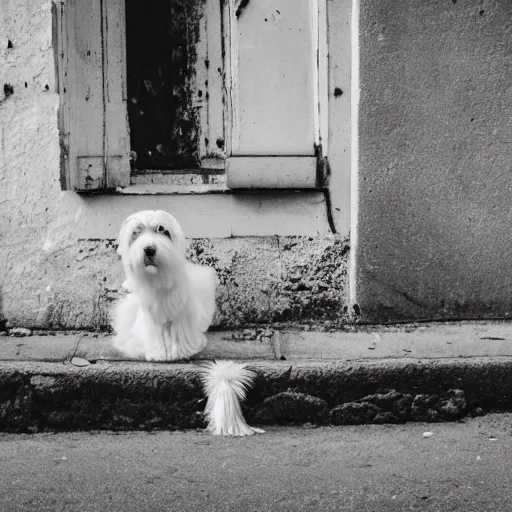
(220, 169)
(307, 211)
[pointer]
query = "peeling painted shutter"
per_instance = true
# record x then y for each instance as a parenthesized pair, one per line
(273, 93)
(93, 116)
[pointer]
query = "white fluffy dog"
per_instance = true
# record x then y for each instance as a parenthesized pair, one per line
(168, 309)
(171, 301)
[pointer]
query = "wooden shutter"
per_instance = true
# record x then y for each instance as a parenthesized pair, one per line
(273, 84)
(93, 114)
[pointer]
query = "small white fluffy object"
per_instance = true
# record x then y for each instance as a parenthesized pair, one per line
(225, 384)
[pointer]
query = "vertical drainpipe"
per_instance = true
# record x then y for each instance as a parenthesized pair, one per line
(354, 172)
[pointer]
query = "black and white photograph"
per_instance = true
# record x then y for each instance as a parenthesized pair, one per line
(255, 255)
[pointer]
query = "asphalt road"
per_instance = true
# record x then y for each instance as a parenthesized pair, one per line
(462, 466)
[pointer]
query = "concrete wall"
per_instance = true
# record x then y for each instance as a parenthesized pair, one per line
(275, 255)
(433, 179)
(434, 237)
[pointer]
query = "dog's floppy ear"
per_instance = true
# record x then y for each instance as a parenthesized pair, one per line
(124, 235)
(121, 240)
(181, 242)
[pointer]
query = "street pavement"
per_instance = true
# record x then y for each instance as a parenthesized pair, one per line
(463, 466)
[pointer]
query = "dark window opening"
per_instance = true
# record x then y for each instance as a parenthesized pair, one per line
(160, 44)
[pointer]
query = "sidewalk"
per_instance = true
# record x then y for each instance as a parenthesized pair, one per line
(376, 375)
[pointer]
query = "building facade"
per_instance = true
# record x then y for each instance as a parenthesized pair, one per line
(335, 161)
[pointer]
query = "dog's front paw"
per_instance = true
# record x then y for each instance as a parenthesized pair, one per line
(155, 352)
(182, 355)
(156, 356)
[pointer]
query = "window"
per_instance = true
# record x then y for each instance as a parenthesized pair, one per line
(91, 63)
(208, 95)
(273, 93)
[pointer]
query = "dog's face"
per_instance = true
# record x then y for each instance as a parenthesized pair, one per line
(152, 247)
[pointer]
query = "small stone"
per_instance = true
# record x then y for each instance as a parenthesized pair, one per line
(80, 361)
(428, 434)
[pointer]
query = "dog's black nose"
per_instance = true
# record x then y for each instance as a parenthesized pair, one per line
(150, 250)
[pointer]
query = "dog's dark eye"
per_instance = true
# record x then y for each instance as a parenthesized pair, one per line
(163, 231)
(135, 234)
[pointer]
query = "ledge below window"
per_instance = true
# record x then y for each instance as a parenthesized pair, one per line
(220, 176)
(173, 189)
(194, 181)
(242, 213)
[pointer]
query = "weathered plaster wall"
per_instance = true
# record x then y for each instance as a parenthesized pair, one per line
(29, 148)
(263, 280)
(278, 279)
(58, 261)
(435, 169)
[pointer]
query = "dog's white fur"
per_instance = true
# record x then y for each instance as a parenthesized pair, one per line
(225, 383)
(171, 301)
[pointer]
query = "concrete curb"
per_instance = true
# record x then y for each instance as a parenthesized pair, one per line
(38, 396)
